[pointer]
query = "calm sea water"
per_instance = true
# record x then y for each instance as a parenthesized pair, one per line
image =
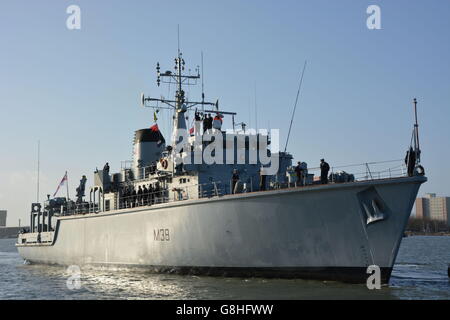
(420, 273)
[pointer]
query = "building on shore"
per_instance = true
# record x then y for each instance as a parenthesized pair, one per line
(433, 208)
(3, 218)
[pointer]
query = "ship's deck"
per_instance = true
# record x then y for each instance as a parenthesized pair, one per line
(266, 193)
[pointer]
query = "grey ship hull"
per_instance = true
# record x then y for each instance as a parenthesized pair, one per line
(325, 232)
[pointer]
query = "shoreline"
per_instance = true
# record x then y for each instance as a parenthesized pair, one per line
(416, 233)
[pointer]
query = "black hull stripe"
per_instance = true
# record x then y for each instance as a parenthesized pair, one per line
(343, 274)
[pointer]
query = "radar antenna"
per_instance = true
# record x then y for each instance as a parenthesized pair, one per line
(180, 104)
(180, 79)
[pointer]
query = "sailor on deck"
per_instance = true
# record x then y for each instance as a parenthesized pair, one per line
(151, 194)
(106, 169)
(197, 123)
(234, 180)
(205, 123)
(217, 122)
(145, 195)
(410, 161)
(125, 196)
(210, 121)
(324, 168)
(139, 196)
(157, 192)
(301, 170)
(133, 198)
(262, 179)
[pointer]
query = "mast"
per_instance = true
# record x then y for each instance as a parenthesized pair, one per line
(179, 63)
(38, 168)
(203, 86)
(416, 133)
(180, 105)
(256, 112)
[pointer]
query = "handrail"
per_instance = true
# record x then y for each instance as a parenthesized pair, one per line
(359, 164)
(364, 172)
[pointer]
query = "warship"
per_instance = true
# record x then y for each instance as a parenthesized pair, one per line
(225, 203)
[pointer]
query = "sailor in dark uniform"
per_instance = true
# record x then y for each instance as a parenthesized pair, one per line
(126, 197)
(106, 169)
(157, 192)
(133, 198)
(234, 180)
(145, 195)
(139, 196)
(151, 194)
(299, 172)
(410, 161)
(205, 123)
(324, 168)
(197, 116)
(209, 121)
(262, 179)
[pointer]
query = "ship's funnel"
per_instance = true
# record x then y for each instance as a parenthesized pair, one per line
(147, 148)
(179, 126)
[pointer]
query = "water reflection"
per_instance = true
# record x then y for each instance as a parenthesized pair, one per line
(136, 283)
(420, 273)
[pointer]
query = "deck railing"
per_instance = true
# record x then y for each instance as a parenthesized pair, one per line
(366, 171)
(337, 174)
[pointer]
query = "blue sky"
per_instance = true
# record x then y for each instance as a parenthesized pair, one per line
(77, 91)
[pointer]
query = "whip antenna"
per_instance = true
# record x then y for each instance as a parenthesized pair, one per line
(38, 168)
(178, 33)
(203, 87)
(256, 112)
(295, 106)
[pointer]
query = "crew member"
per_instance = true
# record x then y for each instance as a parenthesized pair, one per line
(197, 116)
(234, 180)
(262, 180)
(80, 189)
(217, 122)
(157, 192)
(124, 197)
(210, 121)
(133, 197)
(205, 123)
(139, 196)
(197, 123)
(127, 197)
(299, 172)
(410, 161)
(106, 169)
(324, 168)
(151, 194)
(145, 195)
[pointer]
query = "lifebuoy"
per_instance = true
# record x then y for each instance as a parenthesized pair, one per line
(419, 170)
(164, 163)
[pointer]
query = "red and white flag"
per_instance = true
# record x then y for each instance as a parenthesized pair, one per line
(62, 183)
